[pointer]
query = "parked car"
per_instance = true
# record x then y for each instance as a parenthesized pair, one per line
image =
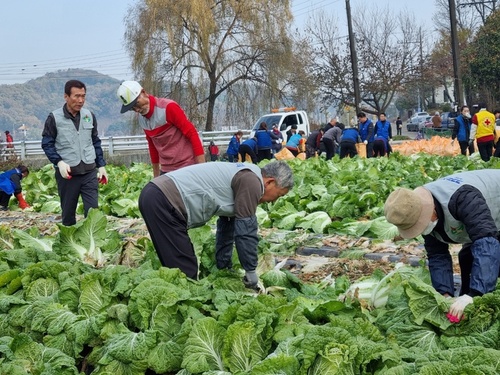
(414, 124)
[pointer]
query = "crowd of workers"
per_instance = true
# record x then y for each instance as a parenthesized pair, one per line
(334, 138)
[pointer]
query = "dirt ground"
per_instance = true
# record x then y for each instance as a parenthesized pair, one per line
(350, 260)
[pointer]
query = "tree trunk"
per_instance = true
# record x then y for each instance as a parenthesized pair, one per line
(209, 125)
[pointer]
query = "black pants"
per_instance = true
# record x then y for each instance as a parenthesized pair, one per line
(348, 149)
(369, 150)
(246, 149)
(464, 145)
(168, 230)
(497, 150)
(379, 148)
(84, 185)
(4, 198)
(265, 153)
(485, 150)
(329, 147)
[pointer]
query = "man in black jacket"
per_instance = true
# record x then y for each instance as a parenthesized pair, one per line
(71, 142)
(462, 208)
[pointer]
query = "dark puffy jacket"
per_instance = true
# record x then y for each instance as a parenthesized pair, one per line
(481, 268)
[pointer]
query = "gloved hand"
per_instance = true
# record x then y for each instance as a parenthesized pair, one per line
(365, 142)
(64, 169)
(251, 280)
(390, 140)
(102, 176)
(471, 141)
(22, 203)
(458, 307)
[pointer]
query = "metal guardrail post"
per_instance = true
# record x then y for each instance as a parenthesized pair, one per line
(23, 150)
(110, 146)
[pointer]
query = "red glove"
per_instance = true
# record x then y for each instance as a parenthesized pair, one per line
(22, 203)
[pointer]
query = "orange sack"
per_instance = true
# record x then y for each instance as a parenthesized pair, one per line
(436, 146)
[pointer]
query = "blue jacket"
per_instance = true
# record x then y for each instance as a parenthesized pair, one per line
(350, 135)
(366, 131)
(383, 129)
(294, 140)
(264, 140)
(461, 130)
(10, 181)
(252, 143)
(234, 145)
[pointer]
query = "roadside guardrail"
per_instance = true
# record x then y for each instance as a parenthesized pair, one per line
(113, 145)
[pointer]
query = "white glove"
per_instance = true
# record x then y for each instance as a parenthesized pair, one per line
(365, 142)
(458, 307)
(471, 141)
(390, 140)
(102, 176)
(64, 169)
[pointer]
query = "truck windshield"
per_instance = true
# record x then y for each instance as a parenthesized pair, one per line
(269, 120)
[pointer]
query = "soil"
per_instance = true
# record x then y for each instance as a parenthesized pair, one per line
(349, 260)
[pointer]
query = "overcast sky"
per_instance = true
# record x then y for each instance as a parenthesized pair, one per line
(40, 36)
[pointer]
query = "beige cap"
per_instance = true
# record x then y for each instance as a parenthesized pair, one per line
(409, 210)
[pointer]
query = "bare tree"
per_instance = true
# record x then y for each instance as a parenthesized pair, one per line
(471, 15)
(205, 47)
(389, 55)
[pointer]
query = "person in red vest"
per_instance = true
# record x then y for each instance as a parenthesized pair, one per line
(173, 140)
(483, 131)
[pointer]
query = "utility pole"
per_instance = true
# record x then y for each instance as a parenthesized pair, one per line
(457, 75)
(354, 59)
(421, 96)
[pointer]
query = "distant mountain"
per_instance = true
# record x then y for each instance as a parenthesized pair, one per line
(30, 103)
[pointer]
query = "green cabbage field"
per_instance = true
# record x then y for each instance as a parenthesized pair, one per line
(93, 299)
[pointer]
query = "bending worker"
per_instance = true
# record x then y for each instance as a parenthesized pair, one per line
(463, 208)
(10, 183)
(189, 197)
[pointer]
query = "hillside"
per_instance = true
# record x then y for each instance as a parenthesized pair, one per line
(30, 103)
